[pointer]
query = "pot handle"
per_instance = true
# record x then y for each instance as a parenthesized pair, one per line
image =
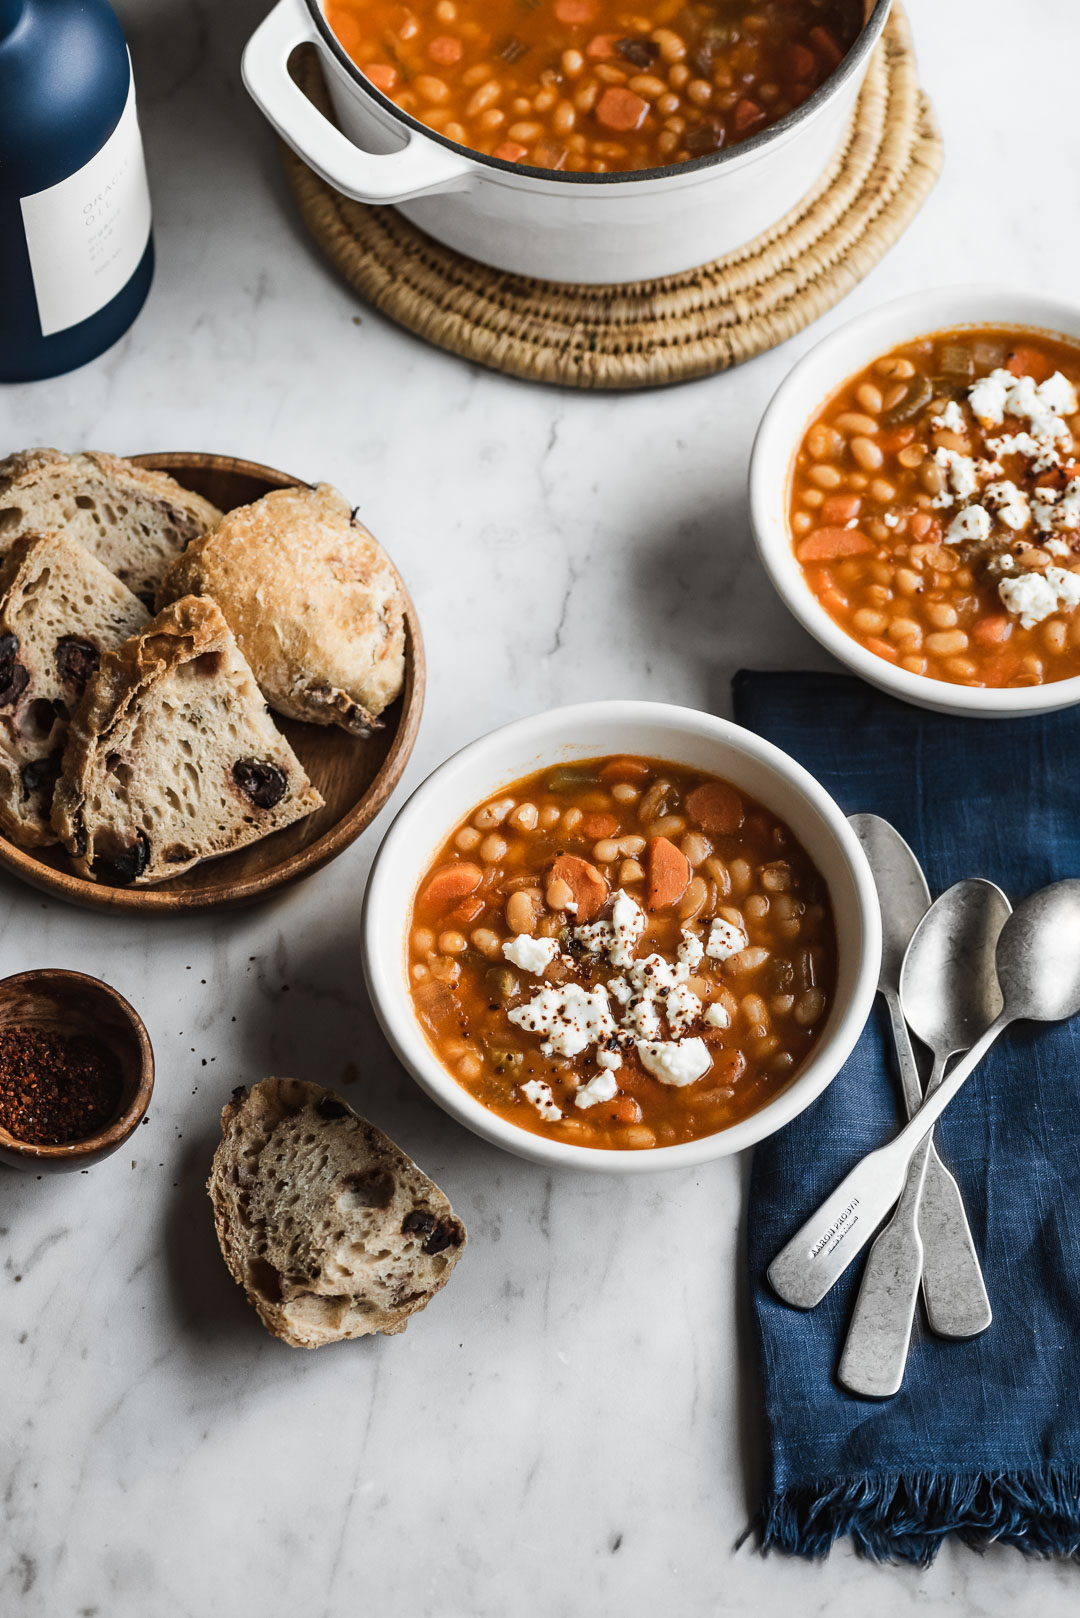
(418, 169)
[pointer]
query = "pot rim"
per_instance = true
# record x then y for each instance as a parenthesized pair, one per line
(854, 63)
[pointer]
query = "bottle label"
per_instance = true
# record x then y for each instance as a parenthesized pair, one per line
(86, 235)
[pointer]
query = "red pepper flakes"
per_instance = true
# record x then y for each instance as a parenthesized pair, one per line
(55, 1088)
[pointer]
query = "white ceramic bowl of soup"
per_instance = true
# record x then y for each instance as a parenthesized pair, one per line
(591, 730)
(798, 400)
(591, 228)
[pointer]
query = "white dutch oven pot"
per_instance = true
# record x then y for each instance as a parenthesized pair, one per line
(592, 228)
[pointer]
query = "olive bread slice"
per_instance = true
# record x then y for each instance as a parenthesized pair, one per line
(134, 521)
(172, 757)
(330, 1229)
(59, 611)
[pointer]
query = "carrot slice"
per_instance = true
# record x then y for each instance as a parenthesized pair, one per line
(627, 1110)
(599, 825)
(575, 11)
(451, 883)
(826, 47)
(898, 438)
(801, 62)
(716, 808)
(991, 631)
(1024, 360)
(621, 110)
(602, 48)
(881, 648)
(466, 911)
(510, 151)
(444, 48)
(584, 881)
(625, 769)
(747, 115)
(829, 544)
(669, 873)
(381, 75)
(840, 508)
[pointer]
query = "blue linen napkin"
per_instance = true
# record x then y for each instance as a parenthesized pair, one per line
(983, 1439)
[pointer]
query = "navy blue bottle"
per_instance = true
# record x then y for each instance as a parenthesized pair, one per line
(76, 254)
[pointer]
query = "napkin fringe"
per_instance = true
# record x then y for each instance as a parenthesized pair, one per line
(904, 1518)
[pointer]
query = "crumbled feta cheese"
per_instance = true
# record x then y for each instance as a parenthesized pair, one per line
(642, 1018)
(951, 418)
(1010, 503)
(617, 938)
(717, 1016)
(725, 940)
(1067, 586)
(1031, 595)
(960, 476)
(655, 975)
(601, 1087)
(573, 1018)
(971, 523)
(889, 519)
(620, 990)
(1044, 456)
(1055, 508)
(531, 954)
(609, 1059)
(1042, 405)
(677, 1062)
(540, 1094)
(987, 398)
(691, 950)
(683, 1009)
(1058, 394)
(1057, 547)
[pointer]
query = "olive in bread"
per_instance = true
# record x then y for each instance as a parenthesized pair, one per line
(134, 521)
(59, 611)
(329, 1228)
(313, 601)
(172, 757)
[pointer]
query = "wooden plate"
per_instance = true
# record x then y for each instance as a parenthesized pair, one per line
(355, 777)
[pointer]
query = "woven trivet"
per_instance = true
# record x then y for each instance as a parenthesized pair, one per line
(652, 332)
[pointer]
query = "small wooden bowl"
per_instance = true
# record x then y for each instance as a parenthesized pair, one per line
(71, 1003)
(355, 777)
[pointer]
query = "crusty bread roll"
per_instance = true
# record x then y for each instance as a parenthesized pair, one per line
(330, 1229)
(314, 603)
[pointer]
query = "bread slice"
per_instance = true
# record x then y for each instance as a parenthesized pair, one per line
(172, 757)
(59, 611)
(330, 1229)
(134, 521)
(313, 600)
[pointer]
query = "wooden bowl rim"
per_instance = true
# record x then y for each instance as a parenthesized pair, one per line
(106, 1140)
(305, 861)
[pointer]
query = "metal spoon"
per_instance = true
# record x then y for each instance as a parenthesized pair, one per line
(953, 1289)
(1038, 967)
(950, 995)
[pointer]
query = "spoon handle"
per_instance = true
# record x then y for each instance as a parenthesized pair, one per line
(953, 1289)
(876, 1348)
(820, 1251)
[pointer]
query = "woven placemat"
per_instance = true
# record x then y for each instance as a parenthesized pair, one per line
(653, 332)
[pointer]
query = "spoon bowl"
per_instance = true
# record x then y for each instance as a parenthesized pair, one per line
(949, 982)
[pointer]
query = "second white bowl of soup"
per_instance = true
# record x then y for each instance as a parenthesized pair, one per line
(621, 936)
(915, 498)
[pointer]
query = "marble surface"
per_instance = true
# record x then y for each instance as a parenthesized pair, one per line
(571, 1426)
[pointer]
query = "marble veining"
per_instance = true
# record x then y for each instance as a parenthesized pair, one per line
(570, 1428)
